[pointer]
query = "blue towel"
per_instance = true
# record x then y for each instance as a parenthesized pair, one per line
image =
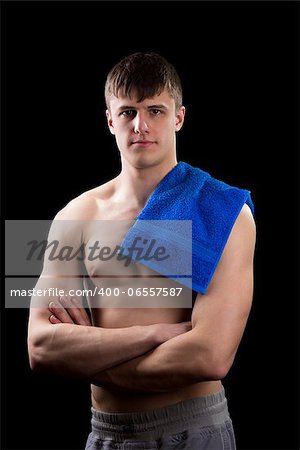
(190, 214)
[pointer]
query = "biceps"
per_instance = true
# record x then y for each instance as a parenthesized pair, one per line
(51, 288)
(63, 263)
(47, 290)
(219, 318)
(222, 313)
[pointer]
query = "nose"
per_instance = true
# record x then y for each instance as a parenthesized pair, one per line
(140, 125)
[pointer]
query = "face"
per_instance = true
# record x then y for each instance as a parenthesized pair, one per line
(145, 131)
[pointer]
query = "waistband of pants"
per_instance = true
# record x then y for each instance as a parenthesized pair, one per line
(196, 412)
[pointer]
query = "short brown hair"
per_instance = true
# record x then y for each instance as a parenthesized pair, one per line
(148, 74)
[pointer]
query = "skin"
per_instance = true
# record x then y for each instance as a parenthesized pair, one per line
(134, 362)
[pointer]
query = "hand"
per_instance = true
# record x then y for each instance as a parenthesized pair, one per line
(68, 310)
(166, 331)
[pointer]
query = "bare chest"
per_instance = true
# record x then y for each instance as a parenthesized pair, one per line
(124, 292)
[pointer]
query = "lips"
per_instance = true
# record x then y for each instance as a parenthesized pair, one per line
(143, 142)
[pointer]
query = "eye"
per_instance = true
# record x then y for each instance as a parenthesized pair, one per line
(129, 113)
(155, 112)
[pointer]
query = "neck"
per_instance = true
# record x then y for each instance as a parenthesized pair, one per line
(138, 184)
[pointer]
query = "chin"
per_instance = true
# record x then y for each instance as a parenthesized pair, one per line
(145, 161)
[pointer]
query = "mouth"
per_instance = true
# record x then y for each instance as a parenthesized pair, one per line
(142, 143)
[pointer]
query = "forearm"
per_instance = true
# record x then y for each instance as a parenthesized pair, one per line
(172, 365)
(84, 350)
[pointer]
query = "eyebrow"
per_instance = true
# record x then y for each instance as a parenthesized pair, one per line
(124, 107)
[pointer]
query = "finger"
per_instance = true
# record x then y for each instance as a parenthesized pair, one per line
(75, 311)
(60, 312)
(85, 320)
(54, 319)
(77, 314)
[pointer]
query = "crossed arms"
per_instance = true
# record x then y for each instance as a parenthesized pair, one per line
(156, 358)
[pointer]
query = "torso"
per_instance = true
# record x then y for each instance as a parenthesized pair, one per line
(114, 221)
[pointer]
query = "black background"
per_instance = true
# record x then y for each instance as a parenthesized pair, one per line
(238, 62)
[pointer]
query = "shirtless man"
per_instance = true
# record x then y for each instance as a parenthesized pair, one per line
(155, 373)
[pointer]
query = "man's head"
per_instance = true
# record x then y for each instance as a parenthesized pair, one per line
(144, 109)
(146, 75)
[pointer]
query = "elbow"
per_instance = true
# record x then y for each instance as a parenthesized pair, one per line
(37, 355)
(213, 367)
(35, 359)
(219, 371)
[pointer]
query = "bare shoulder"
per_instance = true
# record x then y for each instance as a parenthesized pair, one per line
(241, 242)
(234, 272)
(87, 206)
(245, 223)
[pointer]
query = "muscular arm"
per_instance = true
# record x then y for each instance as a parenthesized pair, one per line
(81, 351)
(219, 319)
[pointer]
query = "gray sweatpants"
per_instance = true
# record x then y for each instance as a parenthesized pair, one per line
(196, 424)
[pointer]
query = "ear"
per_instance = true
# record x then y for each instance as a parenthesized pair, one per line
(179, 118)
(109, 122)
